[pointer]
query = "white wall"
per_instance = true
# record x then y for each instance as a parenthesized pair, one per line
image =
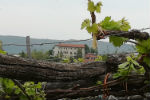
(67, 51)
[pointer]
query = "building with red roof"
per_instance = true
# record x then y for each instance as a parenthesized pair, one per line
(68, 50)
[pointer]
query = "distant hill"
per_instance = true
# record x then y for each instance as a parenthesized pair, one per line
(103, 47)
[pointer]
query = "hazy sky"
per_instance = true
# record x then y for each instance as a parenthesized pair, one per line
(61, 19)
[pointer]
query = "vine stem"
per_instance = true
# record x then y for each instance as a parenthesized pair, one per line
(22, 88)
(94, 42)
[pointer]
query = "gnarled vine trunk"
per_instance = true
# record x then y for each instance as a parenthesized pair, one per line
(70, 80)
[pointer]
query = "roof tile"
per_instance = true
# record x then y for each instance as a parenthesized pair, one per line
(71, 45)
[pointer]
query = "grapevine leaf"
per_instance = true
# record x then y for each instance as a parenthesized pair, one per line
(135, 62)
(39, 85)
(117, 41)
(89, 29)
(17, 90)
(129, 59)
(109, 24)
(144, 46)
(141, 49)
(124, 73)
(30, 91)
(23, 97)
(116, 75)
(141, 70)
(132, 67)
(125, 26)
(98, 7)
(123, 65)
(93, 28)
(91, 6)
(85, 23)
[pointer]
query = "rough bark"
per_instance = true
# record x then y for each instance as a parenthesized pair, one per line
(31, 70)
(113, 88)
(71, 80)
(133, 34)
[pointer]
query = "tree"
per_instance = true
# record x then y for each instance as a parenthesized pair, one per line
(39, 55)
(79, 53)
(87, 49)
(90, 50)
(50, 52)
(93, 51)
(23, 54)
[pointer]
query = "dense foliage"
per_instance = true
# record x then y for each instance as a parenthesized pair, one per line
(25, 91)
(9, 89)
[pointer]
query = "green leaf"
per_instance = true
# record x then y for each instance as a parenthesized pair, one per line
(93, 28)
(117, 41)
(121, 25)
(124, 73)
(123, 65)
(80, 59)
(125, 26)
(85, 23)
(39, 98)
(129, 59)
(17, 90)
(116, 75)
(39, 85)
(109, 24)
(135, 62)
(99, 58)
(132, 67)
(30, 91)
(66, 60)
(98, 7)
(99, 82)
(91, 6)
(23, 97)
(8, 83)
(89, 29)
(144, 46)
(147, 60)
(3, 52)
(141, 70)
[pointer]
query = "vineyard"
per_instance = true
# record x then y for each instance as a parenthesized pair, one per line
(121, 75)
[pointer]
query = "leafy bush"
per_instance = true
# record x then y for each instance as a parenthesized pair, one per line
(9, 89)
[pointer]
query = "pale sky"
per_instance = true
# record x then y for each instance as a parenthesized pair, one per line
(61, 19)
